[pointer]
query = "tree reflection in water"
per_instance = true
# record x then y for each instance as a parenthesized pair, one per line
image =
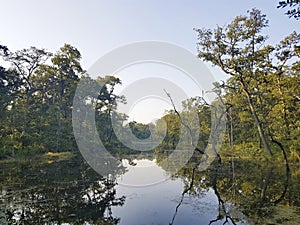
(70, 192)
(61, 192)
(247, 191)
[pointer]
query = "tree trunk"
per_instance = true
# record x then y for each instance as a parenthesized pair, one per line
(285, 117)
(257, 121)
(58, 132)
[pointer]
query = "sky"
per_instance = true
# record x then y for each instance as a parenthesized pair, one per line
(96, 27)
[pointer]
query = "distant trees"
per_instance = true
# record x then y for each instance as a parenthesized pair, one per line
(175, 130)
(140, 130)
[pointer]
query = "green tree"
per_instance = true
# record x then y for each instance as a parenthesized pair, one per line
(140, 130)
(25, 62)
(37, 97)
(106, 106)
(171, 122)
(9, 94)
(58, 82)
(239, 49)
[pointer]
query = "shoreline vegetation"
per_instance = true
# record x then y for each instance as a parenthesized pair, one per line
(253, 177)
(259, 191)
(261, 99)
(53, 157)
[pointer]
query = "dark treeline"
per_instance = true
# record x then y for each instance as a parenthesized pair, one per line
(37, 93)
(37, 98)
(261, 95)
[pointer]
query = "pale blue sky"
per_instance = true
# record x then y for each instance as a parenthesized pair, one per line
(95, 27)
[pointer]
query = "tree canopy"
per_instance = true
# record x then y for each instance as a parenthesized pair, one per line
(261, 96)
(294, 8)
(262, 76)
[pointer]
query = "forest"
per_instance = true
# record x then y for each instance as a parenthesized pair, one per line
(247, 173)
(261, 96)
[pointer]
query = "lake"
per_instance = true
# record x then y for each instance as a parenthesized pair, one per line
(238, 191)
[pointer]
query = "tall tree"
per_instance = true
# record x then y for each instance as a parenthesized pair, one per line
(106, 106)
(239, 50)
(59, 81)
(25, 62)
(10, 83)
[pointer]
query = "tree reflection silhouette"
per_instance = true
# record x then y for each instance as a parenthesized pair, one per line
(251, 192)
(62, 192)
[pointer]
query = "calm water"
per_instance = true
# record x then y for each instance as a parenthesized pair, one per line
(70, 192)
(152, 198)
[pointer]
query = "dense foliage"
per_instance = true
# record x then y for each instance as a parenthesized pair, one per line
(36, 101)
(262, 90)
(261, 95)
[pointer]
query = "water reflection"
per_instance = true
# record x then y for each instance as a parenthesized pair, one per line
(145, 192)
(248, 192)
(67, 192)
(232, 192)
(175, 201)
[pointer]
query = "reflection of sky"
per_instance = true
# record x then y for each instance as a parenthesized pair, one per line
(155, 204)
(144, 173)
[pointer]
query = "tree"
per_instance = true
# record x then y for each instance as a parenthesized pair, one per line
(58, 82)
(9, 93)
(25, 62)
(294, 5)
(170, 121)
(3, 50)
(106, 106)
(140, 130)
(37, 97)
(239, 50)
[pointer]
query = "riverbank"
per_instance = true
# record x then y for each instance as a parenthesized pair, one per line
(49, 157)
